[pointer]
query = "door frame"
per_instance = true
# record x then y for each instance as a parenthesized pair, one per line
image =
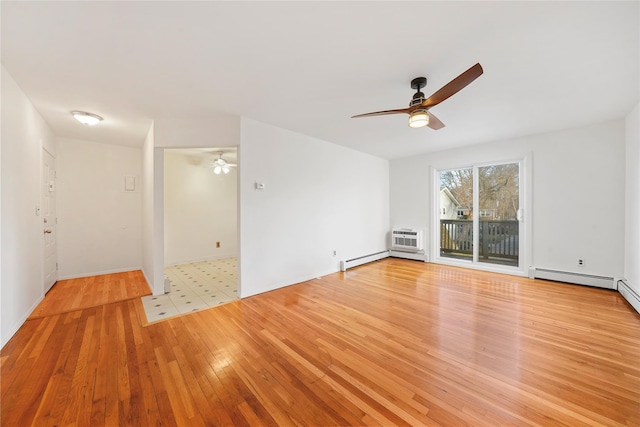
(524, 226)
(160, 268)
(46, 183)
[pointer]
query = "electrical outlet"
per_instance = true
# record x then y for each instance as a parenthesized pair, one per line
(581, 262)
(217, 244)
(335, 253)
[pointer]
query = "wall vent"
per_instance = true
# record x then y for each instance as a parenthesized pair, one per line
(406, 239)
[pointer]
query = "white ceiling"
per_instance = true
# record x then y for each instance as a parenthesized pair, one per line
(309, 66)
(200, 155)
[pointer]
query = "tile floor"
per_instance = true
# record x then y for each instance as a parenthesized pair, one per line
(194, 287)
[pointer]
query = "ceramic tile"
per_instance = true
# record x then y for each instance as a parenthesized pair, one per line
(166, 313)
(153, 302)
(191, 304)
(217, 299)
(180, 298)
(194, 287)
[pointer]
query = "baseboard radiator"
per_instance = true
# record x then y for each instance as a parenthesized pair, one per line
(629, 294)
(418, 256)
(350, 263)
(570, 277)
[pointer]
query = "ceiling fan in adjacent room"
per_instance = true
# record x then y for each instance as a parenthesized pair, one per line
(418, 110)
(220, 165)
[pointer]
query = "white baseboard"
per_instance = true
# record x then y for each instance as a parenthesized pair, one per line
(572, 277)
(629, 294)
(99, 273)
(199, 259)
(354, 262)
(14, 328)
(284, 283)
(418, 256)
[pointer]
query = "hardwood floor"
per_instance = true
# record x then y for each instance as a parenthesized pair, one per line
(395, 342)
(75, 294)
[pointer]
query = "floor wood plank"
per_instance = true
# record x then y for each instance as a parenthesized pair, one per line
(85, 292)
(394, 342)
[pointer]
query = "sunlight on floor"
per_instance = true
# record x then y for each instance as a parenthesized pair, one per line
(194, 287)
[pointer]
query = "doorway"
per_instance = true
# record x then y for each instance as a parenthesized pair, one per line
(49, 220)
(479, 216)
(200, 231)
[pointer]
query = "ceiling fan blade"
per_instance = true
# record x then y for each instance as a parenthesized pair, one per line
(383, 113)
(454, 86)
(434, 122)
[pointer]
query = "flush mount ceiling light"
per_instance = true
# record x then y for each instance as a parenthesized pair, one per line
(86, 118)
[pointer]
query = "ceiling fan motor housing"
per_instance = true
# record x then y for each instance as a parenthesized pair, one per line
(417, 84)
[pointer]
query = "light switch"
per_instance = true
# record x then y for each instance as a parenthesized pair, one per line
(259, 185)
(129, 183)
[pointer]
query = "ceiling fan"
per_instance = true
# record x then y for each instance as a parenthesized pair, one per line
(220, 165)
(418, 110)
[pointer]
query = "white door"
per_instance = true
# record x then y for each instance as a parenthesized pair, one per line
(49, 220)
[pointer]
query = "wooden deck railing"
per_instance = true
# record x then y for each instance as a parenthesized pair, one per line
(498, 240)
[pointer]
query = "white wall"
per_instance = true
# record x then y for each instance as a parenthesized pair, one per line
(99, 223)
(578, 191)
(152, 214)
(201, 208)
(24, 134)
(216, 130)
(318, 197)
(632, 199)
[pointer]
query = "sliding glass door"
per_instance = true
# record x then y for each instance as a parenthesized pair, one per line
(456, 208)
(479, 211)
(498, 206)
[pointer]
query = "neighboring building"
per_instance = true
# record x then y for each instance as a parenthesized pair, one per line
(488, 214)
(449, 205)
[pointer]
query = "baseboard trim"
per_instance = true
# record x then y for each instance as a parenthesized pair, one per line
(572, 277)
(13, 329)
(418, 256)
(99, 273)
(200, 259)
(629, 294)
(355, 262)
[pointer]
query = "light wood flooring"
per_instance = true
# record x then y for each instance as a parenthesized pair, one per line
(395, 342)
(86, 292)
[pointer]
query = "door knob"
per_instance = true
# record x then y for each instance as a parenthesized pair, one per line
(48, 231)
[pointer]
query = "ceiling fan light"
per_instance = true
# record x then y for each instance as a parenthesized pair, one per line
(225, 169)
(217, 170)
(418, 119)
(85, 118)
